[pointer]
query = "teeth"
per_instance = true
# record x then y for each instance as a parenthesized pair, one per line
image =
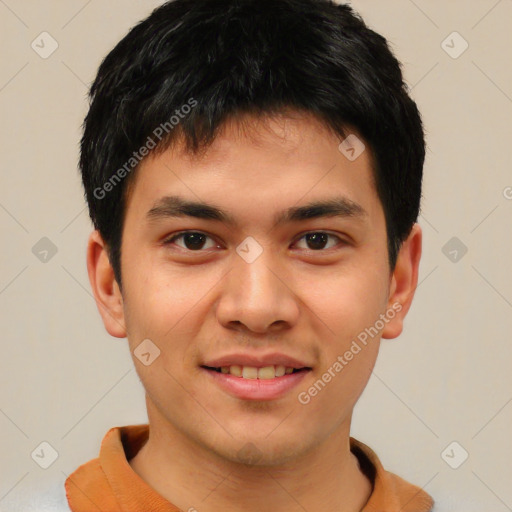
(251, 372)
(235, 370)
(280, 371)
(267, 372)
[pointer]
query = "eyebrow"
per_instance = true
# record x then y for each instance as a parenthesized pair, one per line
(176, 206)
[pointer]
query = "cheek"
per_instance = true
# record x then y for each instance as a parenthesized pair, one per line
(159, 313)
(165, 308)
(157, 301)
(348, 302)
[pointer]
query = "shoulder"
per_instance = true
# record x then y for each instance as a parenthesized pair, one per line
(411, 497)
(88, 485)
(390, 491)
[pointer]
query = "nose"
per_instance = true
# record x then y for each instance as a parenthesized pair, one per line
(259, 295)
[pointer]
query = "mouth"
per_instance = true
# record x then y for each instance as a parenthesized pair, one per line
(256, 383)
(253, 372)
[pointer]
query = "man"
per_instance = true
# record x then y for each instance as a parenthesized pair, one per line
(253, 171)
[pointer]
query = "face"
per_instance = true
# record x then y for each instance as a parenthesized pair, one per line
(258, 277)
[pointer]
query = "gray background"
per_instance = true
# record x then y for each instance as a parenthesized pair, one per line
(447, 378)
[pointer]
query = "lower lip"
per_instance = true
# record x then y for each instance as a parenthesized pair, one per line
(257, 389)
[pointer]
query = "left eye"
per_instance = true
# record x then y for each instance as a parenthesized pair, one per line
(195, 240)
(318, 239)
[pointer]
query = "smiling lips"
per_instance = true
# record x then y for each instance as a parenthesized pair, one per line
(248, 366)
(253, 372)
(252, 377)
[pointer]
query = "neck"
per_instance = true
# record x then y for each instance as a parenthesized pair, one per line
(191, 476)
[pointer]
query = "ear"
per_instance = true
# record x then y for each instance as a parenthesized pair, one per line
(104, 286)
(404, 281)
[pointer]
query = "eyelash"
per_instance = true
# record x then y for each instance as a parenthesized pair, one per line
(174, 237)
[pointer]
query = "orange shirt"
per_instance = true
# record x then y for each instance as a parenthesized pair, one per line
(109, 484)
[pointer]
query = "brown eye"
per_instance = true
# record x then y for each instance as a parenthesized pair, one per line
(317, 240)
(192, 240)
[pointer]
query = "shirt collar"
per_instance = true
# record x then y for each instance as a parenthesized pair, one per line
(120, 444)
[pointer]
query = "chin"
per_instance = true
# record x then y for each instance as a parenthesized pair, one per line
(262, 452)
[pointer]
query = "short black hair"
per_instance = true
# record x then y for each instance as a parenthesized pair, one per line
(193, 64)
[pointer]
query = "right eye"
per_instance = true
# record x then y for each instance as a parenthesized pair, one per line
(192, 240)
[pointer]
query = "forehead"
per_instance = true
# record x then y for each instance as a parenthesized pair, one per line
(259, 162)
(289, 134)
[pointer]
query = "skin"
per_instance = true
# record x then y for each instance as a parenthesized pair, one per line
(196, 304)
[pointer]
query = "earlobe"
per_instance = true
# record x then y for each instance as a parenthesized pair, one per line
(404, 281)
(104, 286)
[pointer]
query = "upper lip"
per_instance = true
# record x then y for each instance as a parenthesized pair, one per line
(261, 360)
